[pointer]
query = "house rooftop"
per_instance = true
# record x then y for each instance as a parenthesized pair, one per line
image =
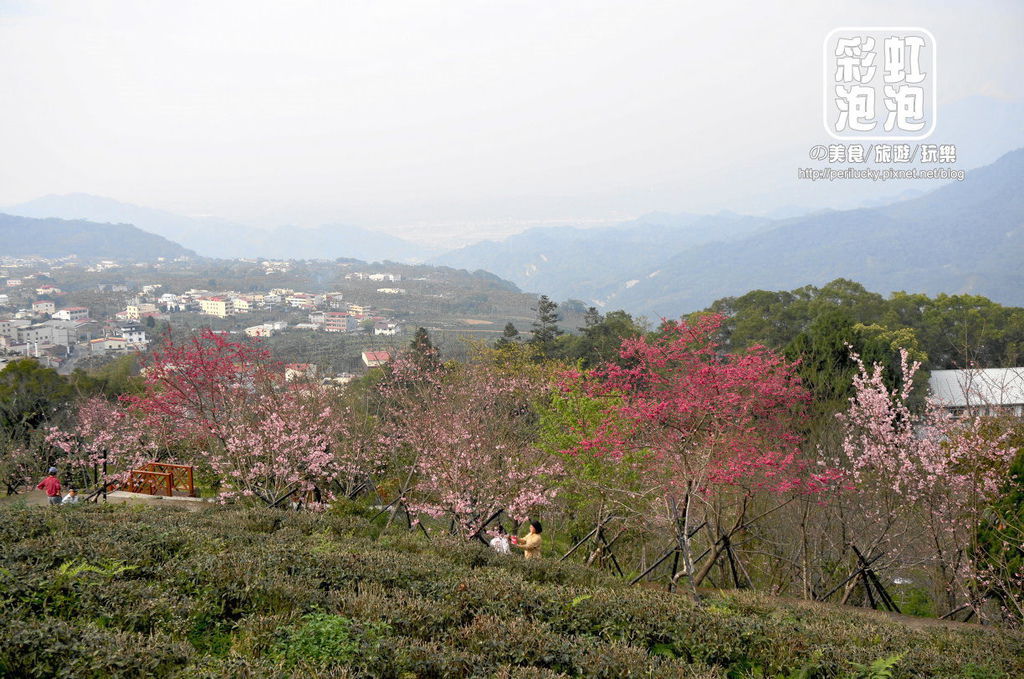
(381, 356)
(981, 387)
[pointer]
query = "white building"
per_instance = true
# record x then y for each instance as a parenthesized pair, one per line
(373, 359)
(63, 333)
(72, 313)
(301, 300)
(295, 371)
(133, 334)
(986, 391)
(240, 306)
(104, 344)
(266, 329)
(385, 328)
(215, 306)
(9, 327)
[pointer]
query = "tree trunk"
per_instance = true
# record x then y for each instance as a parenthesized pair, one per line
(683, 538)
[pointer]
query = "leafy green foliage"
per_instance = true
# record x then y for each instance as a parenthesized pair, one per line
(883, 668)
(30, 396)
(324, 640)
(599, 340)
(223, 592)
(948, 331)
(826, 367)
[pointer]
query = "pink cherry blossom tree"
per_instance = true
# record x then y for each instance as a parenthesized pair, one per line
(265, 438)
(106, 436)
(466, 431)
(924, 479)
(286, 444)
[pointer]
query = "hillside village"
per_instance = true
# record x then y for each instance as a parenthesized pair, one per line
(37, 320)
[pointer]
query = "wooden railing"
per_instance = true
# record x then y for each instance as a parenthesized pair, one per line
(160, 478)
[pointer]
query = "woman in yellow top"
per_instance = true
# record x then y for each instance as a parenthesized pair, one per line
(531, 543)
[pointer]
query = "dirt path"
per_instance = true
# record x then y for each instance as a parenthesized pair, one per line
(32, 498)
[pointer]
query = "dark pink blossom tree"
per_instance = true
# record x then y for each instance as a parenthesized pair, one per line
(713, 425)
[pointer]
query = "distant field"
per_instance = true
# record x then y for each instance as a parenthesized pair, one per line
(115, 591)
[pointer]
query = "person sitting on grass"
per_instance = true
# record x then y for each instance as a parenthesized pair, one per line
(52, 486)
(531, 543)
(71, 498)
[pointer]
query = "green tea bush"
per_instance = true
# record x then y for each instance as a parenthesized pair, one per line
(323, 640)
(107, 591)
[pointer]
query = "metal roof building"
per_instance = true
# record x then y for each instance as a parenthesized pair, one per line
(989, 389)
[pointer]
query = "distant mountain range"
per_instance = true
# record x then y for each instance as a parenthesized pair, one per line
(965, 237)
(22, 236)
(215, 237)
(589, 264)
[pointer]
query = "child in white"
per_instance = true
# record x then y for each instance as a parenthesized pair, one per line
(500, 543)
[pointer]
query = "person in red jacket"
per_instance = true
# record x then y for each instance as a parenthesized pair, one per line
(52, 486)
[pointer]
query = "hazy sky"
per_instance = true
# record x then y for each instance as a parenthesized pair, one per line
(447, 115)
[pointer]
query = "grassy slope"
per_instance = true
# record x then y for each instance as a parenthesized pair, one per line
(226, 592)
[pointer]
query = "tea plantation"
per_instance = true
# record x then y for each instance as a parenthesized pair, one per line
(117, 591)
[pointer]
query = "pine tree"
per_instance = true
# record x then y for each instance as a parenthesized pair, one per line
(545, 327)
(510, 335)
(591, 318)
(423, 350)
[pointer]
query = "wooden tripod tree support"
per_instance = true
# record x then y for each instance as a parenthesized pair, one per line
(735, 566)
(603, 546)
(971, 608)
(586, 538)
(477, 535)
(284, 497)
(865, 576)
(675, 551)
(101, 491)
(400, 505)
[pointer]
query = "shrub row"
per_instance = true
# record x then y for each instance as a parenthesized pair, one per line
(130, 592)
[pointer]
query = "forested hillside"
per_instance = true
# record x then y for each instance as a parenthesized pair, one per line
(21, 236)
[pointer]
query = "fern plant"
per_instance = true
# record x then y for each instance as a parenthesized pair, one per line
(883, 668)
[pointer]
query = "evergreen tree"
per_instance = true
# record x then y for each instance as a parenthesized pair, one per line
(824, 362)
(591, 318)
(423, 350)
(545, 327)
(510, 335)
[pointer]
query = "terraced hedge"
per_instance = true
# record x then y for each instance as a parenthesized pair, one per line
(132, 592)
